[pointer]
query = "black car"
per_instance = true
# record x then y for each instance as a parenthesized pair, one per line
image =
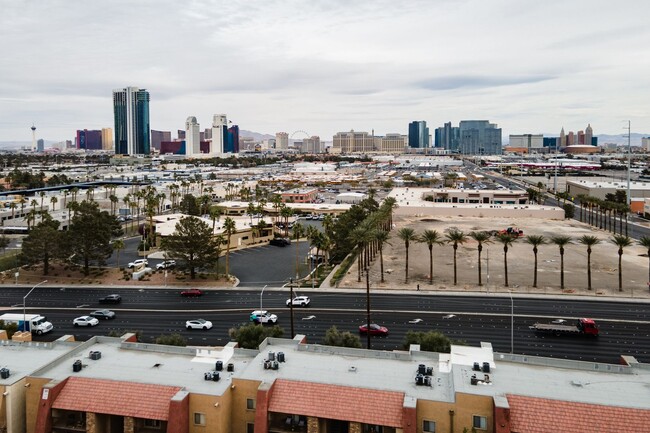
(111, 299)
(279, 242)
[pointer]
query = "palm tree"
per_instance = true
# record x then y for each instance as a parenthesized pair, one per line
(118, 245)
(589, 241)
(229, 228)
(455, 237)
(407, 235)
(215, 214)
(621, 242)
(561, 241)
(644, 241)
(298, 232)
(507, 240)
(42, 194)
(54, 200)
(13, 207)
(535, 241)
(381, 237)
(482, 237)
(359, 237)
(33, 204)
(431, 238)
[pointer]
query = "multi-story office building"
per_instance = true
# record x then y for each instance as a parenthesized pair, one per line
(107, 138)
(282, 140)
(354, 142)
(232, 144)
(131, 112)
(158, 137)
(530, 142)
(40, 145)
(311, 145)
(418, 135)
(89, 139)
(447, 137)
(645, 143)
(219, 134)
(192, 136)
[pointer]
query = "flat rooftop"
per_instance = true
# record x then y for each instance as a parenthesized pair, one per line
(23, 358)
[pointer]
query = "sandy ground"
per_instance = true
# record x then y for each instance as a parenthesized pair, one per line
(604, 261)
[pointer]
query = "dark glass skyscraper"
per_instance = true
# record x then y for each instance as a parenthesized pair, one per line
(232, 141)
(418, 134)
(131, 112)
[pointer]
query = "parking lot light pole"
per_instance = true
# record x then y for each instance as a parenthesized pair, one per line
(25, 305)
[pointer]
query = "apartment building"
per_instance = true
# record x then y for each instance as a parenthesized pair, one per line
(115, 385)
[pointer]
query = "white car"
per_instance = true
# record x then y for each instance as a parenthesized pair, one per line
(263, 316)
(299, 301)
(166, 264)
(85, 321)
(138, 262)
(198, 324)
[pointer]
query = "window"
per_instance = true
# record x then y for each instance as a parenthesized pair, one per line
(152, 423)
(250, 427)
(250, 404)
(199, 418)
(429, 426)
(480, 422)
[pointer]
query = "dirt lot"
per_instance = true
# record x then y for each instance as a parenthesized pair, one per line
(604, 260)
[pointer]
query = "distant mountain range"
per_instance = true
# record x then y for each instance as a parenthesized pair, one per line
(256, 135)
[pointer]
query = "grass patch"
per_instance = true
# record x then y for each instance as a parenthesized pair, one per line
(343, 269)
(8, 261)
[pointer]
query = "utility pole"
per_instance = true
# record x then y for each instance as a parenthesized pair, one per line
(629, 162)
(368, 308)
(291, 305)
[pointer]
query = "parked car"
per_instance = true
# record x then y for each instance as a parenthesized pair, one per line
(198, 324)
(300, 301)
(280, 242)
(103, 314)
(263, 316)
(167, 264)
(191, 293)
(138, 262)
(374, 329)
(85, 321)
(111, 299)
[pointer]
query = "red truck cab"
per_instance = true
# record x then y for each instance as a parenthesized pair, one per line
(588, 326)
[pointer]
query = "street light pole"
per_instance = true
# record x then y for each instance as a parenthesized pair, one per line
(261, 296)
(512, 323)
(25, 305)
(368, 307)
(291, 305)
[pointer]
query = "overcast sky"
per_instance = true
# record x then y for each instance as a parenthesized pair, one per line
(531, 66)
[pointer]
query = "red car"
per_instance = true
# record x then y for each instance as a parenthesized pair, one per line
(374, 329)
(191, 292)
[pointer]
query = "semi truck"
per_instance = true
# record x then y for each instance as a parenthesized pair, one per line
(583, 327)
(34, 323)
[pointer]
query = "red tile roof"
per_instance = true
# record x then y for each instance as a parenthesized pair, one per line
(538, 415)
(116, 398)
(337, 402)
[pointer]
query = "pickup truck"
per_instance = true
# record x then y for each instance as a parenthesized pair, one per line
(583, 327)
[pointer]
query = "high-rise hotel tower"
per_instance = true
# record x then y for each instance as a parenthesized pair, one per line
(131, 111)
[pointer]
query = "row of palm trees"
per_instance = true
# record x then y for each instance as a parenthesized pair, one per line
(603, 214)
(455, 238)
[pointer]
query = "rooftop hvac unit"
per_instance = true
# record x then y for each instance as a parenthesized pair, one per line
(76, 366)
(219, 366)
(419, 379)
(473, 380)
(271, 356)
(422, 369)
(95, 355)
(267, 364)
(477, 367)
(427, 380)
(4, 373)
(429, 371)
(215, 376)
(275, 365)
(207, 375)
(230, 367)
(486, 367)
(280, 356)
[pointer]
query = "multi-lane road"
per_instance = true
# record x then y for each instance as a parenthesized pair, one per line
(624, 326)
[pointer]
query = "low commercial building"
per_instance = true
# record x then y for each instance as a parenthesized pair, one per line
(600, 189)
(306, 195)
(115, 385)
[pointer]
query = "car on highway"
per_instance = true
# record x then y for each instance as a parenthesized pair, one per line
(191, 293)
(198, 324)
(299, 301)
(138, 262)
(263, 317)
(111, 299)
(279, 242)
(167, 264)
(85, 321)
(103, 314)
(374, 329)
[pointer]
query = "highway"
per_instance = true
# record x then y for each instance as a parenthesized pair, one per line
(624, 326)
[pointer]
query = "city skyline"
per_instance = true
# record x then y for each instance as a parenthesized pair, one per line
(288, 66)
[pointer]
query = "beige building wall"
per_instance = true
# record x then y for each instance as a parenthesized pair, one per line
(393, 143)
(460, 413)
(32, 400)
(107, 139)
(240, 414)
(216, 411)
(354, 142)
(464, 210)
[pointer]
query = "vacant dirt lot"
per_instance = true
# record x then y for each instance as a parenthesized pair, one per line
(604, 260)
